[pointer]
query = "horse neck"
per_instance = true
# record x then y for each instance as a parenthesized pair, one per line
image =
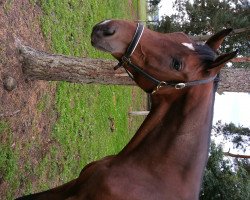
(185, 126)
(175, 136)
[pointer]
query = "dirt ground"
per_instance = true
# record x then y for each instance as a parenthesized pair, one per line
(20, 19)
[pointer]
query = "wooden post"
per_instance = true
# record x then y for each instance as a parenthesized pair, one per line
(140, 113)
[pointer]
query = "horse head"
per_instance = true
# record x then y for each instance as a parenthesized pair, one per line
(169, 58)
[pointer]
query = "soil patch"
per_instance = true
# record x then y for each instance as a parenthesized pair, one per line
(20, 19)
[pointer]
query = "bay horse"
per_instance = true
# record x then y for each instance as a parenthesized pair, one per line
(166, 157)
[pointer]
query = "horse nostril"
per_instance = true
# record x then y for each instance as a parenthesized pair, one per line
(108, 31)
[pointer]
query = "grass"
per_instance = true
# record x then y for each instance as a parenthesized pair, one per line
(43, 102)
(68, 24)
(93, 120)
(7, 5)
(87, 112)
(8, 158)
(142, 10)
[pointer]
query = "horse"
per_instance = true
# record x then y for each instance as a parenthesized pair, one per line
(166, 157)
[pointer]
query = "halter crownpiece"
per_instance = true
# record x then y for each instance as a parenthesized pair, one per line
(125, 60)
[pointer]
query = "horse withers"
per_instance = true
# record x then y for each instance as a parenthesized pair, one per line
(167, 155)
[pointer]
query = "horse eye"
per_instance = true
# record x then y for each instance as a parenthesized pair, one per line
(176, 64)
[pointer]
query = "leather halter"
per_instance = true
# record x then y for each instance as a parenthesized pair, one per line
(125, 60)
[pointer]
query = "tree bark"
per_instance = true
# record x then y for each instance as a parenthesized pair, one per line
(139, 113)
(206, 37)
(236, 155)
(39, 65)
(234, 80)
(241, 59)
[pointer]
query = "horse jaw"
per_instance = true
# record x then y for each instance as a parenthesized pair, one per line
(102, 46)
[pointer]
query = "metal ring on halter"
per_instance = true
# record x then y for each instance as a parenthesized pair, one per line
(179, 86)
(126, 60)
(161, 84)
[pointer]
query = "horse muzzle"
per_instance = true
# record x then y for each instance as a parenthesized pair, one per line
(101, 32)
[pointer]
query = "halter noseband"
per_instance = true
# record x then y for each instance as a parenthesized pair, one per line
(125, 60)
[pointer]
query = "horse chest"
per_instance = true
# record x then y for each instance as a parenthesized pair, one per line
(128, 183)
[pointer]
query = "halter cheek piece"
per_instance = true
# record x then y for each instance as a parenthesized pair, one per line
(125, 60)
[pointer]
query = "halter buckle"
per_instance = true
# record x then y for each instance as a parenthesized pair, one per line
(126, 60)
(161, 84)
(179, 86)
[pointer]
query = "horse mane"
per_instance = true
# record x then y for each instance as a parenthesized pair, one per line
(207, 56)
(205, 53)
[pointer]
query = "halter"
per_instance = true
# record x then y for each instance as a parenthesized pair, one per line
(125, 60)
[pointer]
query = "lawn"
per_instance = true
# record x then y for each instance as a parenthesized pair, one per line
(93, 120)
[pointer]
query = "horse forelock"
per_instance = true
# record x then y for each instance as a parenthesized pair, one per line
(205, 54)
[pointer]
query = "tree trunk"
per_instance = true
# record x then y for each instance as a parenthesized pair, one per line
(236, 155)
(234, 80)
(206, 37)
(241, 59)
(39, 65)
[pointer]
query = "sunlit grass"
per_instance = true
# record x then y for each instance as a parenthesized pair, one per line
(92, 120)
(8, 158)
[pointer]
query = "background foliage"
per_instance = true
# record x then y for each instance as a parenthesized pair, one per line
(225, 178)
(208, 17)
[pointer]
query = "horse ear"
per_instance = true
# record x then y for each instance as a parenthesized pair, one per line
(221, 60)
(215, 41)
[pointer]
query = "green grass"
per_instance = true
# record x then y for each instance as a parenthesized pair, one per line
(7, 5)
(68, 24)
(43, 102)
(93, 120)
(8, 158)
(86, 112)
(84, 126)
(142, 10)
